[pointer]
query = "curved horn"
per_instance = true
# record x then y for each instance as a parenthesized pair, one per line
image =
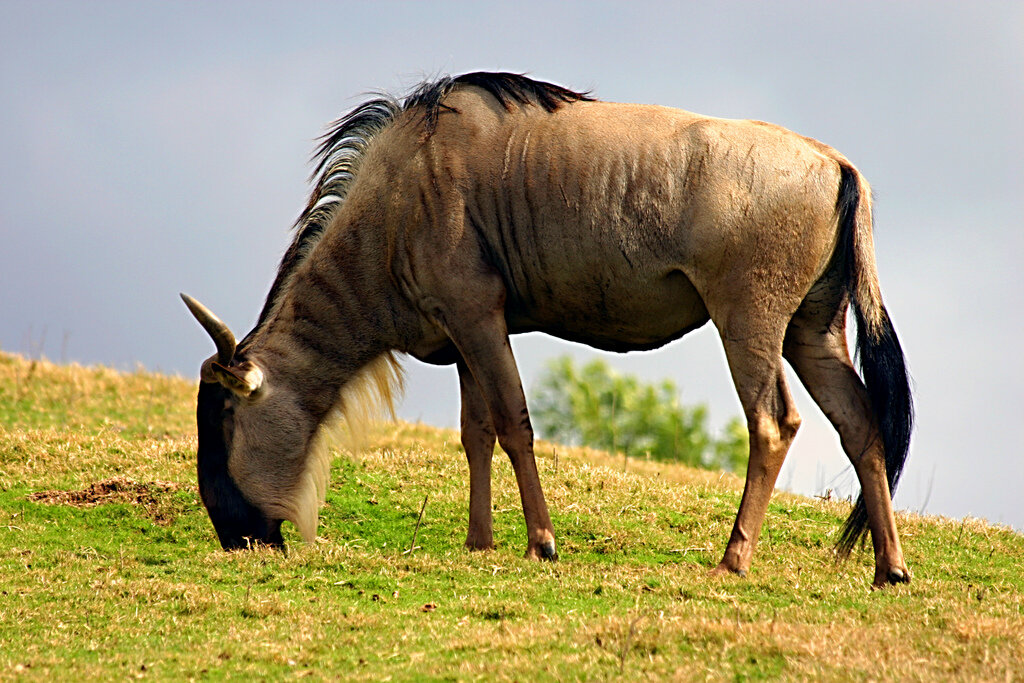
(222, 336)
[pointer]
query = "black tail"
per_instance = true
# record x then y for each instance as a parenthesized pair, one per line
(880, 356)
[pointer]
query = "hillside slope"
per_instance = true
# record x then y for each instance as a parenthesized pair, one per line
(110, 568)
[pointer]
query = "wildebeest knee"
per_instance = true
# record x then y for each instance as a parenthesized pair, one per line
(770, 433)
(516, 441)
(789, 425)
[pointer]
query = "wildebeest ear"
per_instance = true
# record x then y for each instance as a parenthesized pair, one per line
(243, 379)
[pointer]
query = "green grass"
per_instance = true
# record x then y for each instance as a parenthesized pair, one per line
(135, 586)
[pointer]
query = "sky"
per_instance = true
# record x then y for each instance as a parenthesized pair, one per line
(150, 148)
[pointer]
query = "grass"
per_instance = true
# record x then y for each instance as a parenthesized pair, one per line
(122, 578)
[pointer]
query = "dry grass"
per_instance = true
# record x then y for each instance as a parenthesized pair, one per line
(122, 578)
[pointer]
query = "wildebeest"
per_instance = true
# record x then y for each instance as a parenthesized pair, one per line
(489, 204)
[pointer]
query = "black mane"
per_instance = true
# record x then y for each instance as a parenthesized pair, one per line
(342, 146)
(509, 89)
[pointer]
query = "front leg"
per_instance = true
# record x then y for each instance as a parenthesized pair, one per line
(482, 338)
(465, 296)
(478, 439)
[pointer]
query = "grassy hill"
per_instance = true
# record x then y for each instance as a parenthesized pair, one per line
(109, 567)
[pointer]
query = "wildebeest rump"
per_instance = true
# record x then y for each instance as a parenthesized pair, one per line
(490, 204)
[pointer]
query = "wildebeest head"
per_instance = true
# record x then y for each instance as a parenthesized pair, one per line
(227, 386)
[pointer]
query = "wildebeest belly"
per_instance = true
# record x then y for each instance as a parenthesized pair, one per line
(611, 311)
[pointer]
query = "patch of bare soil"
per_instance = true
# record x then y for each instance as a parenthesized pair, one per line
(154, 496)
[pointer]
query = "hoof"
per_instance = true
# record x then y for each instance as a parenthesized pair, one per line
(543, 551)
(898, 576)
(894, 576)
(475, 545)
(723, 570)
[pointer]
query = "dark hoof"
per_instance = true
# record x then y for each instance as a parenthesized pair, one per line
(897, 575)
(543, 551)
(892, 577)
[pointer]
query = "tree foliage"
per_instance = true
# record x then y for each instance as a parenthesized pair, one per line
(595, 406)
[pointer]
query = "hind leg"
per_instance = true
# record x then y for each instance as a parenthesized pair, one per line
(820, 358)
(772, 420)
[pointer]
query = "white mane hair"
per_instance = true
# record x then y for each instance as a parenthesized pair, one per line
(363, 400)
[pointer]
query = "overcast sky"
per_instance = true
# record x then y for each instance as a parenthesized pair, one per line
(151, 148)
